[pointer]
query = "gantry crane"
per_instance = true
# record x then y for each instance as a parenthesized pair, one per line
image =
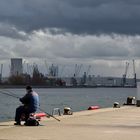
(135, 79)
(1, 72)
(125, 73)
(77, 70)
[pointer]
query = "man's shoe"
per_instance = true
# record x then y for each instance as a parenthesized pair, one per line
(25, 123)
(17, 123)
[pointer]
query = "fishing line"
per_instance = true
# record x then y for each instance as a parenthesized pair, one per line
(11, 93)
(5, 93)
(14, 96)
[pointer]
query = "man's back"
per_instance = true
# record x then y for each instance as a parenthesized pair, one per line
(34, 101)
(31, 101)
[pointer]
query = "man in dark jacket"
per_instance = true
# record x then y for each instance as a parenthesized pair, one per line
(30, 105)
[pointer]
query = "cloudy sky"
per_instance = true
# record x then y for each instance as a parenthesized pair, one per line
(103, 34)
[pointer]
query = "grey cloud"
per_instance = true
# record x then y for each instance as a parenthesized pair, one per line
(100, 47)
(5, 51)
(135, 48)
(11, 32)
(3, 54)
(75, 16)
(69, 49)
(94, 51)
(47, 45)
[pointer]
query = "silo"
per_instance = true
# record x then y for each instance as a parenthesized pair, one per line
(16, 66)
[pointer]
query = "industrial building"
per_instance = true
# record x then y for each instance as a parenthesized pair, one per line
(16, 66)
(98, 81)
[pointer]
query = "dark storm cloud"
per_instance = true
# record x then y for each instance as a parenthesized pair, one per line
(76, 16)
(12, 32)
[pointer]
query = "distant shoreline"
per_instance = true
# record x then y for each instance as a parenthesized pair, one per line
(44, 86)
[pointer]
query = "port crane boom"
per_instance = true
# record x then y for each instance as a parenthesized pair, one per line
(125, 74)
(135, 79)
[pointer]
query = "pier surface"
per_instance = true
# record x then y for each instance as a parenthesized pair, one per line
(103, 124)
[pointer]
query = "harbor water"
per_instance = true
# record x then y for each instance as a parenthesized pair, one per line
(76, 98)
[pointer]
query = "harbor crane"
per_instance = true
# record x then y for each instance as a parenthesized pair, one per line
(125, 74)
(62, 70)
(77, 70)
(1, 72)
(135, 79)
(47, 68)
(88, 70)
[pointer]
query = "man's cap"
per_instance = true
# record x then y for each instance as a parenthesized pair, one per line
(28, 87)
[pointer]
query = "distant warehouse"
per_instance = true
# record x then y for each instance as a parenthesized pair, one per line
(16, 66)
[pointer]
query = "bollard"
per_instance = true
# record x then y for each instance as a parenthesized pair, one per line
(116, 105)
(67, 111)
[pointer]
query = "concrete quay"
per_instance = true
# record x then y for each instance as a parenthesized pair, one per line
(102, 124)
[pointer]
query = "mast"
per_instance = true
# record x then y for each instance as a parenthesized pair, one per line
(134, 72)
(1, 73)
(125, 73)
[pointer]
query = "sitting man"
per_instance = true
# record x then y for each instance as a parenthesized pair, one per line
(30, 105)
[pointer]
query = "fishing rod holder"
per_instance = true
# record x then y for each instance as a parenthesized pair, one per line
(56, 110)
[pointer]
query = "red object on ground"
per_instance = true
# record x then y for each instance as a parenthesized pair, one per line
(93, 107)
(40, 115)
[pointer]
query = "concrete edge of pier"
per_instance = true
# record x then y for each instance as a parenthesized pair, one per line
(107, 123)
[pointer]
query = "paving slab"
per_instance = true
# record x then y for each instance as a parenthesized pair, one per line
(102, 124)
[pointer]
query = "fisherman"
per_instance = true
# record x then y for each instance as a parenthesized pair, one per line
(30, 105)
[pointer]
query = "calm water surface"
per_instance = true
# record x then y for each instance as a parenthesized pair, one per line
(76, 98)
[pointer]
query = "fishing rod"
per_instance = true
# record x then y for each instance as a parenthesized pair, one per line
(49, 114)
(15, 96)
(12, 95)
